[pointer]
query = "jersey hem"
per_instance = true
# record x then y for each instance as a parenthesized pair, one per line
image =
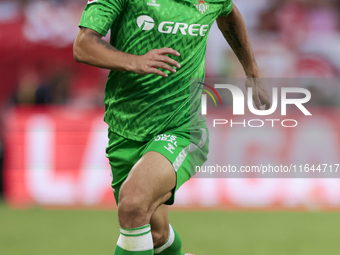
(131, 136)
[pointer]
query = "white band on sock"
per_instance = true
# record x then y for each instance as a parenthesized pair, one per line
(135, 239)
(168, 242)
(135, 231)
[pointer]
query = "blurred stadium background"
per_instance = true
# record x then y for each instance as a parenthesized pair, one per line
(54, 179)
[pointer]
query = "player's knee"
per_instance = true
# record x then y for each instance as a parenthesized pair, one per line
(132, 209)
(132, 205)
(160, 236)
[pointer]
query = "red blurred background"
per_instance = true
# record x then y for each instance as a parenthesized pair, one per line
(291, 39)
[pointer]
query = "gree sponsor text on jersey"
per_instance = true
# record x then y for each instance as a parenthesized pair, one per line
(169, 27)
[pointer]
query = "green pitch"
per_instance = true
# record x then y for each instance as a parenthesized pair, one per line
(50, 232)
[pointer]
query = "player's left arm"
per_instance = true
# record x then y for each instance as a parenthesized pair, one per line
(235, 32)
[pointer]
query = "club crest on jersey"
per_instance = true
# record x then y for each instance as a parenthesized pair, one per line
(91, 1)
(201, 6)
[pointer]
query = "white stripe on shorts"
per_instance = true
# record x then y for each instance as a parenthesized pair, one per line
(190, 148)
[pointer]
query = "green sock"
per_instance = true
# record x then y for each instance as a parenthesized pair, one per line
(172, 246)
(135, 241)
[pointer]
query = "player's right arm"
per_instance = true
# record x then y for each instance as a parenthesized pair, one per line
(235, 32)
(89, 48)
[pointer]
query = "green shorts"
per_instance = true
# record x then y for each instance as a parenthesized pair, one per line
(185, 150)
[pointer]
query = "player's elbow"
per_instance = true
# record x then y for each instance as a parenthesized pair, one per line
(78, 52)
(84, 46)
(80, 47)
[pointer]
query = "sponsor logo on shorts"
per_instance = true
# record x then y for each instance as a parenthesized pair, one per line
(171, 139)
(91, 1)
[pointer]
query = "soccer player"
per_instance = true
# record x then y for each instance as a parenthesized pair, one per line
(155, 130)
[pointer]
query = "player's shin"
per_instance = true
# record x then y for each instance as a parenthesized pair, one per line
(172, 246)
(136, 241)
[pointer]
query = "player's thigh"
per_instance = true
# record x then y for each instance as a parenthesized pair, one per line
(160, 225)
(151, 181)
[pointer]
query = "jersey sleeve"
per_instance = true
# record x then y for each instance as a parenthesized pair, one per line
(227, 7)
(99, 15)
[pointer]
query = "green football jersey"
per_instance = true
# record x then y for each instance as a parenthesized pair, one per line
(138, 107)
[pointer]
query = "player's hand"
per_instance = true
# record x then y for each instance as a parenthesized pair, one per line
(154, 59)
(260, 94)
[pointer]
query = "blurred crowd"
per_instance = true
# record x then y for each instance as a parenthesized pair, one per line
(291, 38)
(37, 62)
